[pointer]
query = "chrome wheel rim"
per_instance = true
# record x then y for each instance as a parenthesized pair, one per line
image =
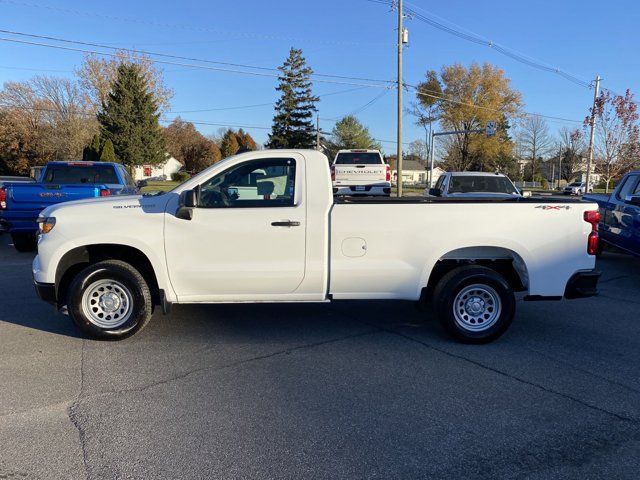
(477, 307)
(107, 304)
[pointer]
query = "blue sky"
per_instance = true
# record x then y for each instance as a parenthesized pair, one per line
(352, 38)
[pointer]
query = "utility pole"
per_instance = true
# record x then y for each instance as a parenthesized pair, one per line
(593, 132)
(559, 166)
(317, 131)
(400, 87)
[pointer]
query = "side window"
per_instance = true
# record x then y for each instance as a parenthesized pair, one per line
(259, 183)
(636, 191)
(440, 182)
(128, 180)
(627, 188)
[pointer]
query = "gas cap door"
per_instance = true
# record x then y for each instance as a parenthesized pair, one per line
(354, 247)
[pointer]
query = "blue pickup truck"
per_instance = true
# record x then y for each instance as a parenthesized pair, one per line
(21, 203)
(620, 214)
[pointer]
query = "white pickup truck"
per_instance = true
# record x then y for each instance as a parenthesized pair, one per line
(360, 173)
(264, 227)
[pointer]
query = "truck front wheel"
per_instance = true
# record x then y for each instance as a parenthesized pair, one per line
(474, 304)
(109, 300)
(24, 242)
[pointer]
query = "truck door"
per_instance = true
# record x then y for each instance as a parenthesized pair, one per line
(247, 235)
(623, 222)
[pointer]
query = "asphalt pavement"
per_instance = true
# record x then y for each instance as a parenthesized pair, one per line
(345, 390)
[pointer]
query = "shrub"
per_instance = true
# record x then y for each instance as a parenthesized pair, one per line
(180, 176)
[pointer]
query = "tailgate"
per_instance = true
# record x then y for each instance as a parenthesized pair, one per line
(360, 174)
(34, 196)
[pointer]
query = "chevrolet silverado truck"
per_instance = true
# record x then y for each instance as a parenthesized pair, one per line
(360, 173)
(21, 203)
(620, 214)
(265, 227)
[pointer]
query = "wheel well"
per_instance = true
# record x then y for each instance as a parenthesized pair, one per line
(81, 257)
(505, 262)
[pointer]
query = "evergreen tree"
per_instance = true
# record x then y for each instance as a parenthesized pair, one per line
(293, 123)
(91, 153)
(229, 145)
(108, 154)
(129, 118)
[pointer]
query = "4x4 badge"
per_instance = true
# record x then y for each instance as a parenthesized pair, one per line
(554, 207)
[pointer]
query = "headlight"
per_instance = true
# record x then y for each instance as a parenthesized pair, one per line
(46, 224)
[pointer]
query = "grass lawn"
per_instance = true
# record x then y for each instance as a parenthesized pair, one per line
(160, 186)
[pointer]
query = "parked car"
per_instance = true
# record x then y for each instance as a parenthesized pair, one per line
(577, 188)
(474, 185)
(21, 203)
(620, 214)
(264, 227)
(360, 172)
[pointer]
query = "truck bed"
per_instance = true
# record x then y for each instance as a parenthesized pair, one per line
(417, 200)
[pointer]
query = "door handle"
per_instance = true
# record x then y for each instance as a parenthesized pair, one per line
(285, 223)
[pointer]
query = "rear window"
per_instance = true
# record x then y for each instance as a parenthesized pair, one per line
(72, 174)
(481, 184)
(355, 158)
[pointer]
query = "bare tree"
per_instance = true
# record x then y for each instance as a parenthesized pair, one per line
(97, 75)
(617, 135)
(573, 150)
(534, 140)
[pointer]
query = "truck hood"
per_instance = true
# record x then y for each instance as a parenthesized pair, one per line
(108, 204)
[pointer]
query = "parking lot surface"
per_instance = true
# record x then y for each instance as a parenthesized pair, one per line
(345, 390)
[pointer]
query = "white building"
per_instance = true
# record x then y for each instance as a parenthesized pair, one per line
(169, 167)
(415, 173)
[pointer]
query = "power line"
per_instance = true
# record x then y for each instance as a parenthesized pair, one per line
(173, 26)
(181, 64)
(175, 57)
(422, 92)
(266, 104)
(478, 39)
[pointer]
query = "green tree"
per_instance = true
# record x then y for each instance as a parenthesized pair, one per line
(293, 122)
(229, 145)
(91, 152)
(129, 118)
(350, 133)
(108, 154)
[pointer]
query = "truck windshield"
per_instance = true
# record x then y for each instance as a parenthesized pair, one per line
(481, 184)
(72, 174)
(355, 158)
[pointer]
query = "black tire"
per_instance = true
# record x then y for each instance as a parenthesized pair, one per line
(141, 307)
(25, 242)
(498, 290)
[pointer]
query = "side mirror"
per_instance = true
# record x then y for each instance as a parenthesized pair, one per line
(435, 192)
(633, 199)
(186, 203)
(142, 183)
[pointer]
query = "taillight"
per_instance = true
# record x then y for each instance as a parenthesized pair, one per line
(105, 192)
(592, 217)
(3, 199)
(388, 173)
(333, 173)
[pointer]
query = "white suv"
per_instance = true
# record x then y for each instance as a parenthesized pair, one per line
(360, 172)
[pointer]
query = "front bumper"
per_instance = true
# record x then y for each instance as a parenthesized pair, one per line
(582, 284)
(46, 291)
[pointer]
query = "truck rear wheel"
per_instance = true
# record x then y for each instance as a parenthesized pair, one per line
(24, 242)
(109, 300)
(474, 304)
